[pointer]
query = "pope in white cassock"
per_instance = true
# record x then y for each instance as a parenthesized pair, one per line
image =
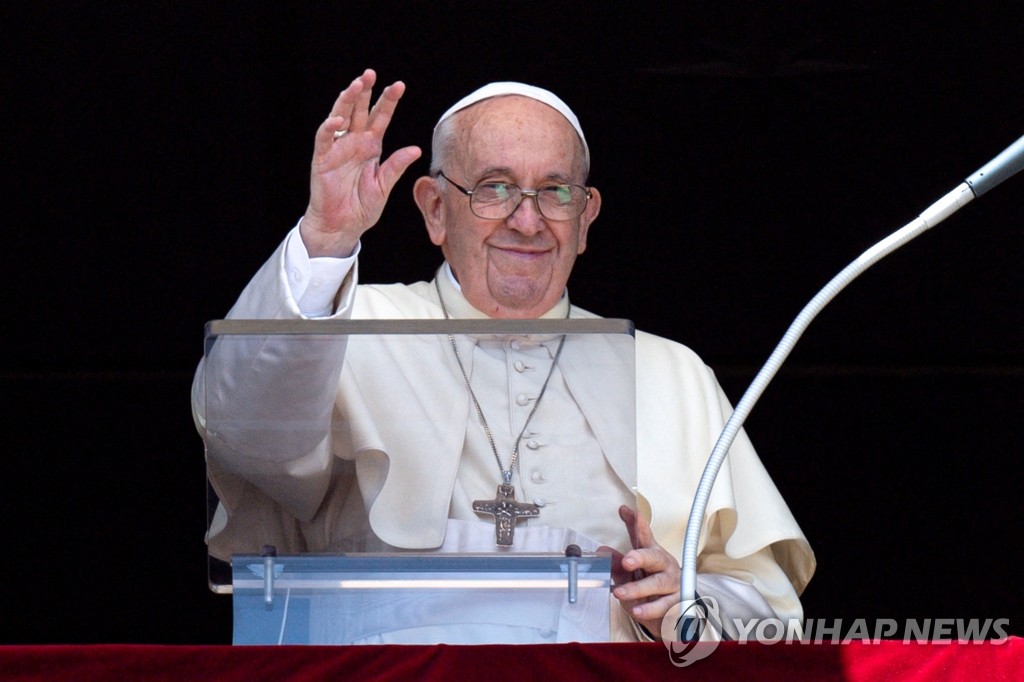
(431, 439)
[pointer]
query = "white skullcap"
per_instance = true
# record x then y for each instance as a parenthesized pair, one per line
(522, 89)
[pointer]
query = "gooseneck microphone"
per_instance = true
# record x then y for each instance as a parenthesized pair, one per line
(999, 169)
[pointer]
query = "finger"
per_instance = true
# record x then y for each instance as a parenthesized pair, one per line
(347, 98)
(652, 610)
(325, 133)
(384, 109)
(649, 559)
(648, 610)
(619, 574)
(650, 562)
(361, 106)
(644, 535)
(628, 517)
(654, 586)
(657, 572)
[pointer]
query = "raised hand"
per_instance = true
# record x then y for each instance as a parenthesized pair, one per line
(349, 186)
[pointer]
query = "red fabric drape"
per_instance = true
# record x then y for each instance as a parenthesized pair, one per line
(853, 661)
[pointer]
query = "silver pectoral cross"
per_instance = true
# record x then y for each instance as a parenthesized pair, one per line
(506, 512)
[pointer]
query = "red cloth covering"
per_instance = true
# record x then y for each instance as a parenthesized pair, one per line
(887, 660)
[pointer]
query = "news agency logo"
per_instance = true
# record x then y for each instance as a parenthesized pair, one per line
(692, 634)
(701, 623)
(917, 630)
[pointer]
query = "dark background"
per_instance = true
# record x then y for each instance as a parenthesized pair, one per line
(156, 153)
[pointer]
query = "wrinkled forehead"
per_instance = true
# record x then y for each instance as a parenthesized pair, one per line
(506, 88)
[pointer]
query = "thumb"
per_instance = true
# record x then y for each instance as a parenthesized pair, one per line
(392, 169)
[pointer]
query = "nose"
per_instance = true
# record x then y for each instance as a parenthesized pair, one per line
(527, 217)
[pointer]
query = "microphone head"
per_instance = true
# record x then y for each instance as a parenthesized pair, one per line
(1001, 168)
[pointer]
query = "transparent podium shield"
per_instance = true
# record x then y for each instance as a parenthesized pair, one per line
(331, 440)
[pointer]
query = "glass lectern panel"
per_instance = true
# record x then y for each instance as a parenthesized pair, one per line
(420, 599)
(331, 440)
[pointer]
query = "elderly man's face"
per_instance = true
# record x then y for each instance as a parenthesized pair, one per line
(517, 267)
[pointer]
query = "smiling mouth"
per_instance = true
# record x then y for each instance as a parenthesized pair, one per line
(522, 251)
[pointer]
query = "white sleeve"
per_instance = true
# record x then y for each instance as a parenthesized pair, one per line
(751, 590)
(747, 589)
(286, 389)
(314, 282)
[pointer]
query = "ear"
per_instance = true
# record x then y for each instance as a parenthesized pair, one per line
(588, 216)
(428, 197)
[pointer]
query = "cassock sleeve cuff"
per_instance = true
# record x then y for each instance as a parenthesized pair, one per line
(314, 282)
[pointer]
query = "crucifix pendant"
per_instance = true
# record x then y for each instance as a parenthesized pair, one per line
(506, 511)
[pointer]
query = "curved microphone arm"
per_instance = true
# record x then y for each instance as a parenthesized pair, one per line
(1002, 167)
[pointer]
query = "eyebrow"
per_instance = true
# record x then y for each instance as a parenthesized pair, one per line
(505, 170)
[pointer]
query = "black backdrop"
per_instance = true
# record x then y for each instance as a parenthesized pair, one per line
(156, 153)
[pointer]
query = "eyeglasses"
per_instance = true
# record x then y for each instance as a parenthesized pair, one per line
(499, 200)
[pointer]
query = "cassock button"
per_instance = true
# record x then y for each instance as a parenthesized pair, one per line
(537, 477)
(539, 501)
(522, 399)
(532, 444)
(519, 365)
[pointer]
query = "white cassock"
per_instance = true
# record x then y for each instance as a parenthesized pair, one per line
(409, 431)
